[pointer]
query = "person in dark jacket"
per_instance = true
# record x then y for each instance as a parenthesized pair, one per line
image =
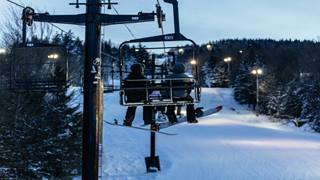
(136, 95)
(179, 72)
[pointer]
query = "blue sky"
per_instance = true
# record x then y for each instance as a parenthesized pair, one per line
(205, 20)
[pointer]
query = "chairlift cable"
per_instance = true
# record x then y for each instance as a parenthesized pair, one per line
(57, 27)
(16, 4)
(110, 56)
(164, 43)
(127, 27)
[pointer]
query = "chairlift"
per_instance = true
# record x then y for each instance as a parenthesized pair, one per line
(159, 90)
(35, 66)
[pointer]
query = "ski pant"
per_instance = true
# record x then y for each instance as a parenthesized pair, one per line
(147, 114)
(191, 116)
(171, 115)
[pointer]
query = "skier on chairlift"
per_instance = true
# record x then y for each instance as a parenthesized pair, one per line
(179, 72)
(136, 95)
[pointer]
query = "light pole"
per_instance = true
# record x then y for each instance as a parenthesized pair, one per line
(228, 60)
(257, 72)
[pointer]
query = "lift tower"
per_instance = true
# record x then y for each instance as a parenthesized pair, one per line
(93, 19)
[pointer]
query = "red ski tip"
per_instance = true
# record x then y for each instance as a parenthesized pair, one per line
(218, 108)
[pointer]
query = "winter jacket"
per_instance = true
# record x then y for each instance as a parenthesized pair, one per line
(181, 88)
(135, 95)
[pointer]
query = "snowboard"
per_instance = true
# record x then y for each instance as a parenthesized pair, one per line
(199, 113)
(157, 130)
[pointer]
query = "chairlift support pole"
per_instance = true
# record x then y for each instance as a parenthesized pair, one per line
(152, 162)
(93, 19)
(175, 14)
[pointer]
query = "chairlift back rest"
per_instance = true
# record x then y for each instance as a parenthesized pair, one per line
(140, 90)
(158, 84)
(135, 90)
(180, 87)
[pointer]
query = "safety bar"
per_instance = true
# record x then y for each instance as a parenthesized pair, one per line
(160, 92)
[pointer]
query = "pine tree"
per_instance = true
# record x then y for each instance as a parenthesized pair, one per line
(244, 85)
(310, 98)
(40, 134)
(269, 89)
(220, 75)
(207, 74)
(62, 155)
(290, 104)
(274, 101)
(21, 118)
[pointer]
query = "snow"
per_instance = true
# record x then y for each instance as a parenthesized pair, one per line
(233, 144)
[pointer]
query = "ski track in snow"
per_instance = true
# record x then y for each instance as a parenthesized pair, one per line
(228, 145)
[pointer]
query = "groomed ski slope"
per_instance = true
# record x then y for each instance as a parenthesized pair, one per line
(228, 145)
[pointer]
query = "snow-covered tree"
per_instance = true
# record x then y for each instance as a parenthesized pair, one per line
(290, 104)
(244, 85)
(220, 75)
(207, 74)
(274, 101)
(40, 134)
(62, 128)
(309, 95)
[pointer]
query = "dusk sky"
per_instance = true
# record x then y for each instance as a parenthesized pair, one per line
(205, 20)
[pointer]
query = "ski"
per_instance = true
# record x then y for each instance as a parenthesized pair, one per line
(115, 123)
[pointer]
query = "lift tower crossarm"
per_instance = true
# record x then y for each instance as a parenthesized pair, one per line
(104, 19)
(107, 19)
(161, 38)
(78, 19)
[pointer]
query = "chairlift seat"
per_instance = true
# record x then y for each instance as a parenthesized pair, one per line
(157, 92)
(135, 90)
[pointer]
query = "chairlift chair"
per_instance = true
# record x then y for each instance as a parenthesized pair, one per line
(159, 91)
(34, 66)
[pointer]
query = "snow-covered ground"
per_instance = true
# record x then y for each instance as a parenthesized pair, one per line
(228, 145)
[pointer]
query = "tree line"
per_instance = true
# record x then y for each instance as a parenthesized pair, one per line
(41, 131)
(288, 86)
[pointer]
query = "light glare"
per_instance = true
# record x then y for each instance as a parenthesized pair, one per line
(2, 51)
(227, 59)
(53, 56)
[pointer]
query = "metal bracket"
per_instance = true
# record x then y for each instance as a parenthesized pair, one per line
(28, 15)
(77, 4)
